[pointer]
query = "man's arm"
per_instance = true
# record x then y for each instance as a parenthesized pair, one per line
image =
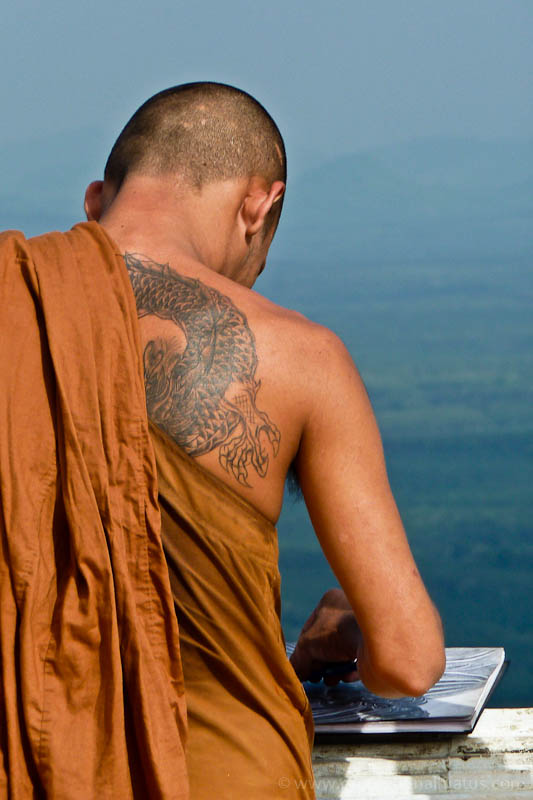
(343, 477)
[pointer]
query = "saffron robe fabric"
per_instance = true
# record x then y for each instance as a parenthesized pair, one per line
(250, 726)
(91, 691)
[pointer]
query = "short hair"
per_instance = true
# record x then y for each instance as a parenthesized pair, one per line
(204, 132)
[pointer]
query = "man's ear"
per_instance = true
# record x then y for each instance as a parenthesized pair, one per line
(93, 201)
(257, 204)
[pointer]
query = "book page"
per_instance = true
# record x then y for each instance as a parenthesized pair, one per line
(469, 676)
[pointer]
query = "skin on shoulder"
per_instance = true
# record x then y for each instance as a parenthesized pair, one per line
(247, 388)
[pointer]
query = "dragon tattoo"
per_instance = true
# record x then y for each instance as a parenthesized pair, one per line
(200, 382)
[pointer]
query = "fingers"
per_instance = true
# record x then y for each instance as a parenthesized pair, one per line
(329, 642)
(351, 676)
(300, 663)
(348, 677)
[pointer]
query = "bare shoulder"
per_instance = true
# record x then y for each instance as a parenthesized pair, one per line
(311, 364)
(298, 335)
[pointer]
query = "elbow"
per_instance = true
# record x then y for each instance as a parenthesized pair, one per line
(436, 670)
(418, 678)
(418, 683)
(423, 664)
(409, 677)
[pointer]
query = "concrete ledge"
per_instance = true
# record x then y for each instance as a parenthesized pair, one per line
(496, 760)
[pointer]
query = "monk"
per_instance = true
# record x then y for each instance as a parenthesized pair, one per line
(239, 391)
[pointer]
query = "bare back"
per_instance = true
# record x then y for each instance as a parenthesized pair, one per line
(224, 374)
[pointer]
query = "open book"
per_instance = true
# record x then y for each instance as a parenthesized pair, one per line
(453, 705)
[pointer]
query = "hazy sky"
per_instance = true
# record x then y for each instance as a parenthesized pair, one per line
(337, 76)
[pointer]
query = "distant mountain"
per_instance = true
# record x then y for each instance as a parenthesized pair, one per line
(428, 199)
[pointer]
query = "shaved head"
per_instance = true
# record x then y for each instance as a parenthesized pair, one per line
(202, 132)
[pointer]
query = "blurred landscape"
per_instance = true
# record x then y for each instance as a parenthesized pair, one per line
(419, 256)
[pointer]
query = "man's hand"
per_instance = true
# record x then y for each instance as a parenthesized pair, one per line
(330, 634)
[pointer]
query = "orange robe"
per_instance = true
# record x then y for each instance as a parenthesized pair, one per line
(250, 727)
(91, 688)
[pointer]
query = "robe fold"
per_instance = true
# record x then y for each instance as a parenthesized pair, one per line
(91, 690)
(250, 727)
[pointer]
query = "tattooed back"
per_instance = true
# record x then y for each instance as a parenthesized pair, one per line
(228, 374)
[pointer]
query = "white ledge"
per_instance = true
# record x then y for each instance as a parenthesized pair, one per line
(495, 761)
